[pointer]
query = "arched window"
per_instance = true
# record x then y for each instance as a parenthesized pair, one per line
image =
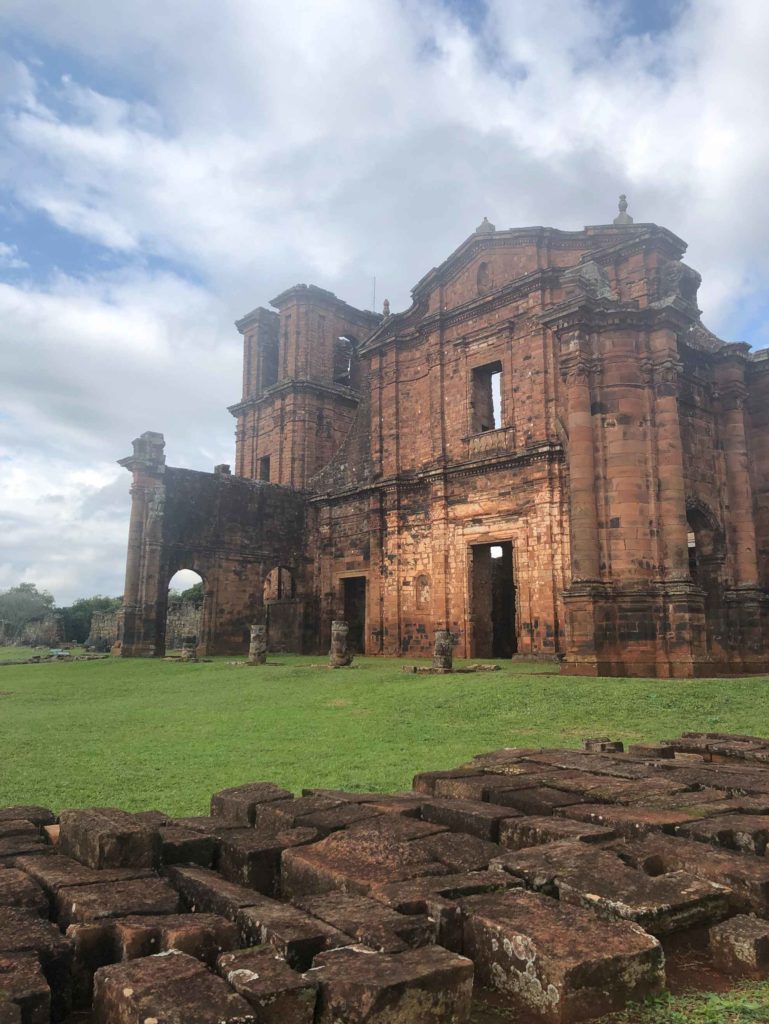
(279, 584)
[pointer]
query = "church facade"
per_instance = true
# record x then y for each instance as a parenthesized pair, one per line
(548, 453)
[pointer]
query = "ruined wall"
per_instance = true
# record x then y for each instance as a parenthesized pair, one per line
(758, 438)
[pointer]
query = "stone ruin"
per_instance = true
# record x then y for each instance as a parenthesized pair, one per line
(531, 884)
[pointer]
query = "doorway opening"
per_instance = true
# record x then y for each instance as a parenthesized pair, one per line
(354, 603)
(184, 614)
(492, 600)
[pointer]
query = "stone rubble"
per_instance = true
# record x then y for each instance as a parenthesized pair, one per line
(557, 885)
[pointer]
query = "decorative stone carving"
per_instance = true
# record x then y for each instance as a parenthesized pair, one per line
(589, 278)
(339, 656)
(442, 654)
(257, 648)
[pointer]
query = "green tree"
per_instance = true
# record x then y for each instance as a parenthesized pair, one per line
(76, 619)
(193, 595)
(21, 605)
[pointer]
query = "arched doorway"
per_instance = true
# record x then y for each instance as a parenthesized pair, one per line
(185, 608)
(705, 541)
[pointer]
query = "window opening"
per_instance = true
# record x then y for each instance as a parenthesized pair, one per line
(264, 468)
(343, 350)
(486, 398)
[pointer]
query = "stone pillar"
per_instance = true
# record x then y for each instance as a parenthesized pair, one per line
(142, 618)
(338, 656)
(442, 656)
(257, 648)
(189, 647)
(741, 525)
(670, 472)
(585, 547)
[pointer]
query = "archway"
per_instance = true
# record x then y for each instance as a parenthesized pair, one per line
(185, 608)
(705, 541)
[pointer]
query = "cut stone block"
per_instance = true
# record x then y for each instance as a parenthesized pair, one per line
(105, 837)
(369, 922)
(519, 833)
(354, 861)
(22, 932)
(541, 800)
(414, 897)
(12, 847)
(18, 890)
(746, 832)
(203, 936)
(57, 872)
(155, 819)
(458, 851)
(420, 986)
(10, 1013)
(280, 995)
(335, 818)
(206, 891)
(600, 881)
(395, 828)
(39, 816)
(93, 947)
(239, 803)
(745, 875)
(603, 745)
(18, 827)
(115, 899)
(215, 827)
(631, 822)
(484, 787)
(251, 858)
(559, 962)
(184, 846)
(476, 817)
(282, 814)
(22, 982)
(424, 782)
(740, 947)
(173, 988)
(294, 934)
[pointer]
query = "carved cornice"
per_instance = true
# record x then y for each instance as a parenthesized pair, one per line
(336, 391)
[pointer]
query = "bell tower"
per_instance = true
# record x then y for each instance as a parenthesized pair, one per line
(302, 381)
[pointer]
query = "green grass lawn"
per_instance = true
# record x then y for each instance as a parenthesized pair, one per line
(146, 734)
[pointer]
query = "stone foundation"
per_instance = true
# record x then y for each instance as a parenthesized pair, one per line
(553, 885)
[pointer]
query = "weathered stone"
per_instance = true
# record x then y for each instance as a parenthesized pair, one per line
(155, 819)
(105, 837)
(603, 745)
(206, 824)
(39, 816)
(475, 817)
(10, 1013)
(282, 814)
(203, 936)
(251, 858)
(339, 656)
(115, 899)
(257, 647)
(23, 983)
(93, 947)
(206, 891)
(748, 833)
(368, 921)
(419, 986)
(185, 846)
(189, 651)
(59, 872)
(18, 890)
(279, 994)
(560, 962)
(239, 803)
(18, 827)
(12, 847)
(519, 833)
(631, 822)
(443, 651)
(740, 947)
(173, 988)
(424, 782)
(457, 850)
(22, 931)
(538, 801)
(297, 936)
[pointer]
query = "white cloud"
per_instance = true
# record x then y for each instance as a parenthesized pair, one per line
(10, 259)
(256, 144)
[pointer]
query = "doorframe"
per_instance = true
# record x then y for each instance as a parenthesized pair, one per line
(353, 574)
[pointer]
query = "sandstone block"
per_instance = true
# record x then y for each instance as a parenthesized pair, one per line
(203, 936)
(18, 890)
(10, 1013)
(239, 803)
(559, 962)
(519, 833)
(280, 995)
(369, 922)
(282, 814)
(294, 934)
(414, 897)
(631, 822)
(476, 817)
(39, 816)
(740, 947)
(185, 846)
(252, 858)
(18, 827)
(25, 932)
(58, 872)
(12, 847)
(105, 837)
(115, 899)
(540, 801)
(421, 986)
(458, 851)
(206, 891)
(22, 982)
(424, 782)
(173, 988)
(748, 833)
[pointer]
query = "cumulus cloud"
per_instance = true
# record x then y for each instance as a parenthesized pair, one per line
(211, 156)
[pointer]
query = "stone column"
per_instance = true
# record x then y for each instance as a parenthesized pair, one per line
(338, 656)
(585, 547)
(670, 471)
(442, 656)
(257, 648)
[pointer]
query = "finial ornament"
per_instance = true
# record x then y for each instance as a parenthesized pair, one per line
(386, 307)
(623, 217)
(485, 227)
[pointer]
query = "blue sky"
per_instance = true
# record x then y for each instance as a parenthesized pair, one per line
(167, 166)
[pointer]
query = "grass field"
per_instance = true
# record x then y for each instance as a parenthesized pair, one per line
(155, 734)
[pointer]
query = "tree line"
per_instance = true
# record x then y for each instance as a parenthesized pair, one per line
(26, 603)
